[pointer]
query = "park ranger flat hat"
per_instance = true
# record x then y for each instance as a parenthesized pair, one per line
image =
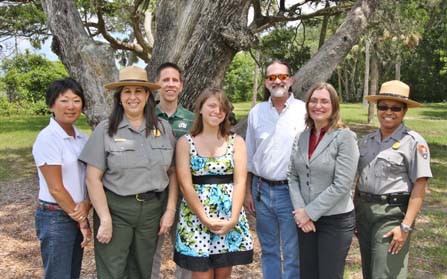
(394, 90)
(132, 76)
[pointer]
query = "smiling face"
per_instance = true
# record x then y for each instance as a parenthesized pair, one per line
(320, 107)
(278, 88)
(212, 113)
(67, 108)
(171, 85)
(390, 120)
(133, 100)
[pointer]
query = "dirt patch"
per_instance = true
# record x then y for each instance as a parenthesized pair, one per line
(20, 254)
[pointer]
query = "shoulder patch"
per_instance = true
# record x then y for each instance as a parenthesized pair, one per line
(423, 150)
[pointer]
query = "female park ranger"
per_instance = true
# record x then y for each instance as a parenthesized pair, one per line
(394, 168)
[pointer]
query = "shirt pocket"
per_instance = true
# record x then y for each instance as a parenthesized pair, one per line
(162, 152)
(389, 165)
(121, 155)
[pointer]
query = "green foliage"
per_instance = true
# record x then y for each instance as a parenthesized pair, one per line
(238, 83)
(26, 79)
(426, 70)
(285, 43)
(25, 19)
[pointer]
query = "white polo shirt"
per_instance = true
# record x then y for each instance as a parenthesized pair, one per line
(53, 146)
(270, 137)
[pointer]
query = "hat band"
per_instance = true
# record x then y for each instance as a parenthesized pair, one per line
(132, 80)
(393, 95)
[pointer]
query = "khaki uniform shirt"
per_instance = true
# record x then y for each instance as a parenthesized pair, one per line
(394, 164)
(132, 163)
(180, 121)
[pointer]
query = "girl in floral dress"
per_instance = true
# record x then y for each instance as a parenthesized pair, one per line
(212, 233)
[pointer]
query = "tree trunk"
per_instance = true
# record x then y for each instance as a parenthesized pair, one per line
(91, 63)
(374, 85)
(255, 80)
(323, 30)
(397, 67)
(366, 78)
(202, 37)
(322, 64)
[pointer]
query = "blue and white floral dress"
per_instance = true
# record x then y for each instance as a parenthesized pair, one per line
(196, 247)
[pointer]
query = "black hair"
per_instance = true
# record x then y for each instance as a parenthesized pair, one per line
(60, 86)
(117, 114)
(276, 61)
(168, 65)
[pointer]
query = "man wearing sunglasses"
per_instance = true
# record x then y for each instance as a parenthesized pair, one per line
(394, 168)
(272, 126)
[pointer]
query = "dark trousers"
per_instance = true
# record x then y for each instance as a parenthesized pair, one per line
(323, 253)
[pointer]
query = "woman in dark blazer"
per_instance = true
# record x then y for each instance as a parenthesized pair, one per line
(321, 174)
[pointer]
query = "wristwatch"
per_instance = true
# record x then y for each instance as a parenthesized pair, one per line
(405, 228)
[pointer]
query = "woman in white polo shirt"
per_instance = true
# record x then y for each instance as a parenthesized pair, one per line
(61, 215)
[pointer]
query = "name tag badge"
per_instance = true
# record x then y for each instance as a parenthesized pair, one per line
(119, 140)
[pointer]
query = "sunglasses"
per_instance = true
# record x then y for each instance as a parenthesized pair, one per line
(281, 77)
(394, 109)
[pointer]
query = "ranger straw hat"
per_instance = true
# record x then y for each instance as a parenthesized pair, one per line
(133, 76)
(394, 90)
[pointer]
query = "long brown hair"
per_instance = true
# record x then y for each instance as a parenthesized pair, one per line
(224, 103)
(335, 119)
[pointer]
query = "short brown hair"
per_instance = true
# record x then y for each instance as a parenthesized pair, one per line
(335, 119)
(225, 106)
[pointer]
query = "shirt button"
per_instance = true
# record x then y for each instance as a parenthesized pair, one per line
(307, 183)
(307, 167)
(307, 174)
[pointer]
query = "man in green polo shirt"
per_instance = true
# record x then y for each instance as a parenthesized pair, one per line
(169, 77)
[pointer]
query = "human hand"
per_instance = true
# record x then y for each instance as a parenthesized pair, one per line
(104, 234)
(300, 216)
(166, 221)
(221, 226)
(249, 204)
(398, 240)
(80, 212)
(84, 226)
(309, 226)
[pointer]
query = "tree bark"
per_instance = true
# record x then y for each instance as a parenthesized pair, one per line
(366, 77)
(202, 37)
(254, 98)
(91, 63)
(374, 85)
(322, 64)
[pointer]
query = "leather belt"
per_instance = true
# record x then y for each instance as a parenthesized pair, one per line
(273, 182)
(141, 197)
(401, 198)
(49, 206)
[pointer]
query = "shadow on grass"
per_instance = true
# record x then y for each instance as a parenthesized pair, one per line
(437, 111)
(16, 164)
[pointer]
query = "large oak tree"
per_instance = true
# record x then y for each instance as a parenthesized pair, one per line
(201, 36)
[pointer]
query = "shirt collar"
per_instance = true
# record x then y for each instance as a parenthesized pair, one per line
(179, 112)
(61, 132)
(125, 123)
(286, 104)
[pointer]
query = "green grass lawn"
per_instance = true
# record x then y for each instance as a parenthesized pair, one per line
(428, 257)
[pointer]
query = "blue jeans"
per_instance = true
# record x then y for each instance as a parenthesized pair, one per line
(276, 231)
(60, 244)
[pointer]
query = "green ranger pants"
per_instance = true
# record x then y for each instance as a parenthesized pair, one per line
(374, 220)
(130, 252)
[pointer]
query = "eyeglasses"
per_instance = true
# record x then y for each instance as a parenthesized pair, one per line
(281, 77)
(394, 109)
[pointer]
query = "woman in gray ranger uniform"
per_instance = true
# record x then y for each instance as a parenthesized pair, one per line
(394, 168)
(129, 165)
